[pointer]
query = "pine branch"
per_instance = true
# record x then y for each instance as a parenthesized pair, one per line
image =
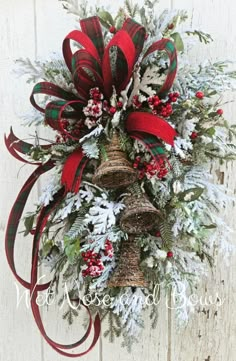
(115, 328)
(131, 9)
(166, 233)
(203, 37)
(69, 315)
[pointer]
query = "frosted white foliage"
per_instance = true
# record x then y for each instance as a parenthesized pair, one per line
(70, 201)
(177, 186)
(94, 133)
(124, 95)
(51, 188)
(129, 306)
(32, 116)
(187, 126)
(116, 119)
(73, 201)
(181, 146)
(102, 214)
(151, 77)
(81, 9)
(27, 67)
(160, 254)
(191, 78)
(86, 192)
(90, 148)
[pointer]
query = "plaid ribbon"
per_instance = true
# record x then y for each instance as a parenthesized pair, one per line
(15, 146)
(14, 219)
(143, 122)
(169, 47)
(73, 170)
(148, 128)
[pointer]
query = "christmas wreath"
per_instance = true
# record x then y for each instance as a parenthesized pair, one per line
(129, 204)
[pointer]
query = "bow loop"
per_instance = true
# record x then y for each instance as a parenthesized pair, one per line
(92, 28)
(169, 47)
(118, 62)
(50, 89)
(137, 33)
(57, 111)
(83, 40)
(86, 73)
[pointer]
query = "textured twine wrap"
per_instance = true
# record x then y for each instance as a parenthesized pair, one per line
(139, 215)
(116, 171)
(128, 273)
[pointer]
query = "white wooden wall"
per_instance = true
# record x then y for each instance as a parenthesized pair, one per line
(35, 28)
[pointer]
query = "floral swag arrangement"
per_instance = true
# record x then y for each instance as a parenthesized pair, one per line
(130, 203)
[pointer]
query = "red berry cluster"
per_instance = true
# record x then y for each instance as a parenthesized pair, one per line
(173, 97)
(95, 266)
(75, 132)
(95, 94)
(150, 169)
(109, 251)
(77, 129)
(136, 102)
(61, 137)
(162, 108)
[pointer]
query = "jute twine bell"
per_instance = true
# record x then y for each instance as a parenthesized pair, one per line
(116, 171)
(128, 273)
(139, 215)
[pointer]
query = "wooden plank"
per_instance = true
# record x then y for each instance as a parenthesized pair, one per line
(17, 331)
(210, 334)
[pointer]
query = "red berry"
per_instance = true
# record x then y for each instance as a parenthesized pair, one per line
(170, 254)
(194, 135)
(156, 103)
(171, 26)
(158, 234)
(112, 29)
(112, 110)
(119, 104)
(220, 111)
(199, 95)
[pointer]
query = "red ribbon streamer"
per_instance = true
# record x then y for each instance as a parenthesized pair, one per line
(151, 124)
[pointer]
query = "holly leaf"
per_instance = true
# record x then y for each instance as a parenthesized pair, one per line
(191, 194)
(210, 226)
(28, 222)
(106, 19)
(72, 250)
(212, 114)
(47, 246)
(211, 131)
(178, 41)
